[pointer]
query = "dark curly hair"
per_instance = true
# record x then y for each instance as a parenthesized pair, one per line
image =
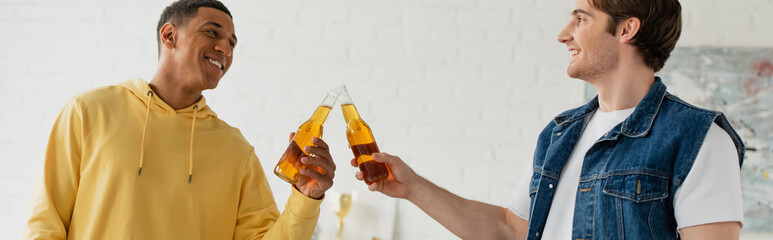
(661, 25)
(180, 12)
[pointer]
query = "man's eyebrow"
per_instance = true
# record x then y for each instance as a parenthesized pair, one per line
(214, 23)
(221, 26)
(580, 11)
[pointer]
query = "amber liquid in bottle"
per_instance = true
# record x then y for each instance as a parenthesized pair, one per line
(289, 165)
(362, 142)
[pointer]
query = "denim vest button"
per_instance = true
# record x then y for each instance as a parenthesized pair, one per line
(537, 234)
(559, 134)
(550, 185)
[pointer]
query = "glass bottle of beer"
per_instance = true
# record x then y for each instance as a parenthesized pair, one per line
(290, 164)
(361, 141)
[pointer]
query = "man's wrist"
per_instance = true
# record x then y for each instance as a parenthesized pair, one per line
(312, 197)
(417, 188)
(303, 206)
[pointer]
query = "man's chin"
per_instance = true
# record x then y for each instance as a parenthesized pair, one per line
(578, 72)
(210, 83)
(573, 73)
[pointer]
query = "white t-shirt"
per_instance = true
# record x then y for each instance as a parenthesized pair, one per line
(696, 201)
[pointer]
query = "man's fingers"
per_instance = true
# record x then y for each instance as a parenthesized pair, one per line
(322, 179)
(319, 142)
(326, 165)
(353, 162)
(359, 176)
(320, 153)
(292, 134)
(386, 158)
(374, 187)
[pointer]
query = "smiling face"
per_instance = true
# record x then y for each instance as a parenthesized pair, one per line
(201, 51)
(593, 50)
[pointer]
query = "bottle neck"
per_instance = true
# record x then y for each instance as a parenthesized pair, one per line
(350, 112)
(320, 115)
(347, 107)
(330, 100)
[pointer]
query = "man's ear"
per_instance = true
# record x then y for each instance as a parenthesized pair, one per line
(168, 35)
(628, 29)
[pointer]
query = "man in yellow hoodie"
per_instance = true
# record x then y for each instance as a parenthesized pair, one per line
(153, 161)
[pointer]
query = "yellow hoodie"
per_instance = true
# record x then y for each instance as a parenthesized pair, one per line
(122, 164)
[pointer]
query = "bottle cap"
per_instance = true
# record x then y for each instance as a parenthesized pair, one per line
(339, 90)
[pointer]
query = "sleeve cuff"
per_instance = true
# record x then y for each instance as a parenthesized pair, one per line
(302, 206)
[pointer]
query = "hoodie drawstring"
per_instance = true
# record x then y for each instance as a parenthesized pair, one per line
(144, 130)
(190, 151)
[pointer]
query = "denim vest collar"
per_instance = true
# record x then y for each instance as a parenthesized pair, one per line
(638, 124)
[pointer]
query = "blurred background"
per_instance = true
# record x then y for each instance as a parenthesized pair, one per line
(459, 89)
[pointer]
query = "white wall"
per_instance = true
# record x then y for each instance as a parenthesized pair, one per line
(458, 88)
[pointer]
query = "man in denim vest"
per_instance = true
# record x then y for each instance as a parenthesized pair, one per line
(633, 163)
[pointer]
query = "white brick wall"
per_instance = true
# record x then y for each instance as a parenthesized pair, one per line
(458, 88)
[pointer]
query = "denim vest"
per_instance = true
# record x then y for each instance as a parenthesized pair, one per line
(629, 176)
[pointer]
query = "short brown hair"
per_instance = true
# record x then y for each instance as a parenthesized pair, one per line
(661, 25)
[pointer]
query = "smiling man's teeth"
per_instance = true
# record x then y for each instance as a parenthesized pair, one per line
(574, 53)
(216, 63)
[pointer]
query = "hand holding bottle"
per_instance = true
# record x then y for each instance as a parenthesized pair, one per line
(307, 164)
(361, 140)
(401, 182)
(314, 183)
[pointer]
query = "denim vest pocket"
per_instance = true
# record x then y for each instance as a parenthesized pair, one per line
(637, 187)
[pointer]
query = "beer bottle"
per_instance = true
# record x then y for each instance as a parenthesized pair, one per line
(361, 141)
(290, 164)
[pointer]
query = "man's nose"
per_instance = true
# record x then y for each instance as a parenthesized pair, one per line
(224, 48)
(564, 36)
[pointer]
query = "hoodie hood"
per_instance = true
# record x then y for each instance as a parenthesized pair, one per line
(139, 88)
